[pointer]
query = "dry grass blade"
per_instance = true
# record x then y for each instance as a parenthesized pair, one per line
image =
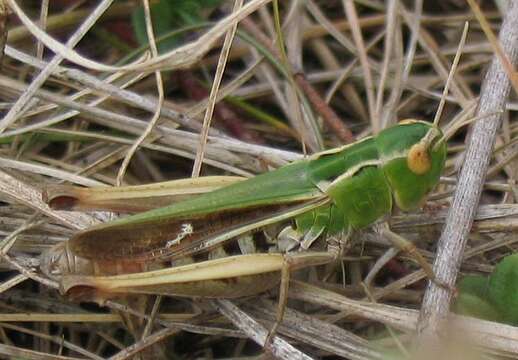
(4, 12)
(141, 345)
(178, 58)
(16, 352)
(26, 194)
(160, 100)
(317, 333)
(6, 285)
(362, 54)
(278, 347)
(499, 338)
(229, 38)
(388, 48)
(390, 114)
(17, 109)
(508, 66)
(104, 86)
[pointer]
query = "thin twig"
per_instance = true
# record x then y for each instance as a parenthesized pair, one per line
(496, 88)
(324, 110)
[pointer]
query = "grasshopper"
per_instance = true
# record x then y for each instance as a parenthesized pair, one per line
(326, 196)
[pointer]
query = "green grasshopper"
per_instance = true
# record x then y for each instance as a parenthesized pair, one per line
(326, 196)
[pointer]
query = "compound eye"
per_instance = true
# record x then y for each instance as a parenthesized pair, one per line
(418, 159)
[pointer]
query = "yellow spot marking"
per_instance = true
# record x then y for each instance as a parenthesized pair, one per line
(418, 160)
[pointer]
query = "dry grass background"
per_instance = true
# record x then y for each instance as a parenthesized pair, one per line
(83, 104)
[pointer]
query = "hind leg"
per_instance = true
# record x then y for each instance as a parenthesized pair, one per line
(408, 247)
(293, 262)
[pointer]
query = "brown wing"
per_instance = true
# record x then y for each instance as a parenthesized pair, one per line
(172, 238)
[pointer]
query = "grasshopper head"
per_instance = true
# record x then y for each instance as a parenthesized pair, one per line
(413, 155)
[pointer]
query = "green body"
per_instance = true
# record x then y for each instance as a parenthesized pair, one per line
(359, 182)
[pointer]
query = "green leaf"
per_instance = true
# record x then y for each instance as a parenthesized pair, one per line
(473, 299)
(167, 16)
(503, 288)
(163, 18)
(476, 285)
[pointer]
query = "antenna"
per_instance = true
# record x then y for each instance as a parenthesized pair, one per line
(448, 133)
(450, 75)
